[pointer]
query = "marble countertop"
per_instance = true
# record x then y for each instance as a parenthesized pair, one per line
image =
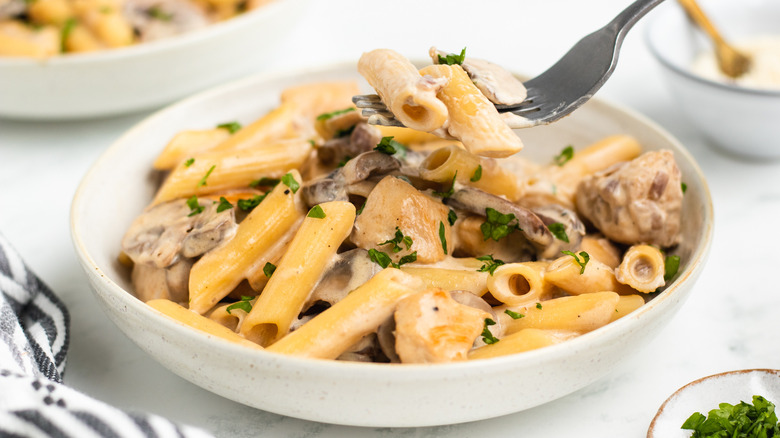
(728, 322)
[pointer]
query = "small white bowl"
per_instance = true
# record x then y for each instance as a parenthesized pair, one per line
(743, 121)
(143, 76)
(118, 187)
(707, 393)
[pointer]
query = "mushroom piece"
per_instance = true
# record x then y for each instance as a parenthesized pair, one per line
(533, 228)
(496, 83)
(167, 232)
(12, 8)
(150, 282)
(367, 349)
(637, 201)
(346, 272)
(335, 186)
(364, 138)
(156, 19)
(573, 227)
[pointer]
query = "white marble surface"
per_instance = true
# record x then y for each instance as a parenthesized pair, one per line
(729, 322)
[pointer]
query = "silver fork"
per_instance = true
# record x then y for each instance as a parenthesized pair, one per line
(564, 87)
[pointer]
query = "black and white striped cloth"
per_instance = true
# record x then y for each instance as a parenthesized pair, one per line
(34, 327)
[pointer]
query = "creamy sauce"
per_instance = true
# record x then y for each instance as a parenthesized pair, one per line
(764, 72)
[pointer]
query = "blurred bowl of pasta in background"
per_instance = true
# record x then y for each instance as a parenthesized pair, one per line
(352, 393)
(112, 81)
(738, 116)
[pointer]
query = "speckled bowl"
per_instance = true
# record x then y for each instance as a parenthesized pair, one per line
(118, 186)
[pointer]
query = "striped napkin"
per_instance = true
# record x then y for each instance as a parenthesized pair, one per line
(34, 326)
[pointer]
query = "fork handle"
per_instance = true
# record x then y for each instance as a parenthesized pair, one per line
(626, 19)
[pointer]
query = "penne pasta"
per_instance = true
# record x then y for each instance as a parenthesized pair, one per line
(566, 274)
(642, 268)
(582, 313)
(523, 340)
(520, 284)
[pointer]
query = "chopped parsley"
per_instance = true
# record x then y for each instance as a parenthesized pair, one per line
(384, 260)
(202, 181)
(360, 210)
(487, 335)
(490, 264)
(683, 187)
(566, 154)
(195, 208)
(67, 28)
(330, 115)
(157, 13)
(497, 224)
(442, 237)
(539, 306)
(397, 240)
(477, 174)
(514, 315)
(743, 420)
(232, 127)
(289, 180)
(316, 212)
(452, 217)
(224, 204)
(582, 262)
(559, 231)
(449, 192)
(251, 203)
(390, 147)
(344, 161)
(344, 132)
(189, 162)
(245, 305)
(452, 58)
(264, 182)
(269, 269)
(671, 266)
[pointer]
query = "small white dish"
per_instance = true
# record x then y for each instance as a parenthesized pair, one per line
(742, 121)
(707, 393)
(118, 187)
(143, 76)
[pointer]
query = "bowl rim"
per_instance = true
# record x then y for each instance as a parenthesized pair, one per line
(167, 44)
(658, 21)
(692, 269)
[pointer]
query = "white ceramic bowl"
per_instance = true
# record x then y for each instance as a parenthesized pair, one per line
(740, 120)
(143, 76)
(118, 187)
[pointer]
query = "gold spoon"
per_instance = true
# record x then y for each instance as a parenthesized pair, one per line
(731, 61)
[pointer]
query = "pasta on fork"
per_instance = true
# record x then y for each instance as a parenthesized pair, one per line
(313, 233)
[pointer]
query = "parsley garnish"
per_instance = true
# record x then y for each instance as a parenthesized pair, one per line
(566, 154)
(156, 12)
(452, 58)
(202, 181)
(497, 224)
(344, 161)
(289, 180)
(442, 238)
(539, 306)
(195, 208)
(487, 335)
(452, 217)
(244, 305)
(232, 127)
(250, 204)
(383, 260)
(269, 269)
(514, 315)
(671, 265)
(585, 259)
(684, 187)
(477, 174)
(398, 240)
(389, 146)
(316, 212)
(360, 210)
(743, 420)
(67, 28)
(449, 192)
(490, 264)
(559, 231)
(264, 182)
(189, 162)
(326, 116)
(224, 204)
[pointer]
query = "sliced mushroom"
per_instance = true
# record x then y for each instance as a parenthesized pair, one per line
(533, 228)
(334, 187)
(364, 138)
(150, 282)
(367, 349)
(573, 228)
(166, 232)
(495, 82)
(12, 8)
(156, 19)
(348, 270)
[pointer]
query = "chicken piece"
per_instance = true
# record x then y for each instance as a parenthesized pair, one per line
(431, 327)
(471, 242)
(634, 202)
(394, 205)
(167, 232)
(170, 283)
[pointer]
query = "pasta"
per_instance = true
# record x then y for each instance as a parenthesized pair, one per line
(312, 233)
